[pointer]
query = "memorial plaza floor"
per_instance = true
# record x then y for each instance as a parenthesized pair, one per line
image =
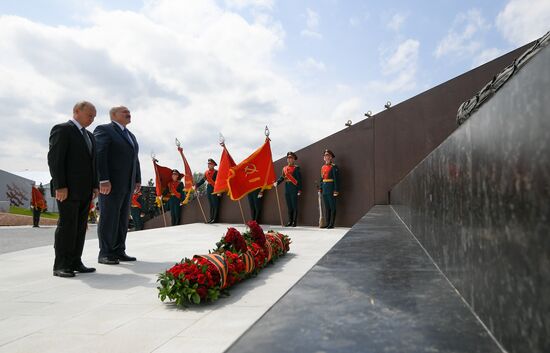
(116, 309)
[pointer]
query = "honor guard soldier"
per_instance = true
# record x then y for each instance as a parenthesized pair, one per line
(213, 199)
(135, 209)
(255, 203)
(175, 191)
(329, 186)
(293, 187)
(38, 204)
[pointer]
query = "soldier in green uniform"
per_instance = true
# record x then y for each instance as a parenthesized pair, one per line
(255, 203)
(175, 191)
(135, 209)
(213, 199)
(329, 186)
(293, 187)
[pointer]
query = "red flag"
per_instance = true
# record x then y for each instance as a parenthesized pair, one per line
(37, 199)
(253, 173)
(226, 162)
(188, 178)
(163, 176)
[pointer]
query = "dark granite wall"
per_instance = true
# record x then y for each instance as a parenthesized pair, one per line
(408, 132)
(480, 206)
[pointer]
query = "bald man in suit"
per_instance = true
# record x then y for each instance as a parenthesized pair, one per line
(72, 163)
(119, 178)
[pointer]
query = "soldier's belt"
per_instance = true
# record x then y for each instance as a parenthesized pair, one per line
(328, 180)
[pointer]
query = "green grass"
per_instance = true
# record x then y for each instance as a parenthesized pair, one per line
(28, 212)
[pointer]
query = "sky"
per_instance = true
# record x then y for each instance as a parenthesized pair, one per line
(194, 69)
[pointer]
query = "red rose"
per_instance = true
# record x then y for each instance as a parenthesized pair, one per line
(201, 279)
(256, 232)
(202, 292)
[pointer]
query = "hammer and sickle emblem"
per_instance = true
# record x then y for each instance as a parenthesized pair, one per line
(249, 169)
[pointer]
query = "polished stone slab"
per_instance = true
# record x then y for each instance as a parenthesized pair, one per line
(116, 309)
(375, 291)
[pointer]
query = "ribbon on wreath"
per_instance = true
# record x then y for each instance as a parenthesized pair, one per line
(221, 265)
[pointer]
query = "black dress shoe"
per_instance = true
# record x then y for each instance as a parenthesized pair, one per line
(108, 260)
(125, 257)
(211, 221)
(83, 269)
(63, 273)
(289, 224)
(330, 226)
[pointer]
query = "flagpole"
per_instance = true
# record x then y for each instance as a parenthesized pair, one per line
(163, 214)
(202, 211)
(161, 203)
(266, 133)
(279, 206)
(242, 213)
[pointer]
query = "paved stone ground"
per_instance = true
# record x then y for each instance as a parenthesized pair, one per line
(116, 309)
(26, 237)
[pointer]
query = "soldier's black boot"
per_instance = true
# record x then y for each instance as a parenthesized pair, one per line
(214, 215)
(294, 218)
(289, 223)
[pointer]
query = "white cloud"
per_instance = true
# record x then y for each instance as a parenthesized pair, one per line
(312, 19)
(311, 64)
(400, 69)
(357, 20)
(311, 34)
(350, 109)
(185, 69)
(462, 38)
(240, 4)
(404, 57)
(396, 21)
(522, 21)
(354, 22)
(312, 25)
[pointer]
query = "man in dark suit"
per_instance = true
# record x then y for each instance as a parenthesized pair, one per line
(74, 184)
(119, 177)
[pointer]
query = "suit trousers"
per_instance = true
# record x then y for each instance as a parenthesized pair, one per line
(113, 223)
(70, 233)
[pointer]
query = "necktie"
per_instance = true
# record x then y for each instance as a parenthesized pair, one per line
(87, 139)
(125, 131)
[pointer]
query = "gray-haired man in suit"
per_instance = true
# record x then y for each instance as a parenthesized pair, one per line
(119, 177)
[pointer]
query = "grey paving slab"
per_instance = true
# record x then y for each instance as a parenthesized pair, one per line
(24, 237)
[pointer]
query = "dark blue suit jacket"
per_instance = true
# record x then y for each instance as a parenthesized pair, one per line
(117, 159)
